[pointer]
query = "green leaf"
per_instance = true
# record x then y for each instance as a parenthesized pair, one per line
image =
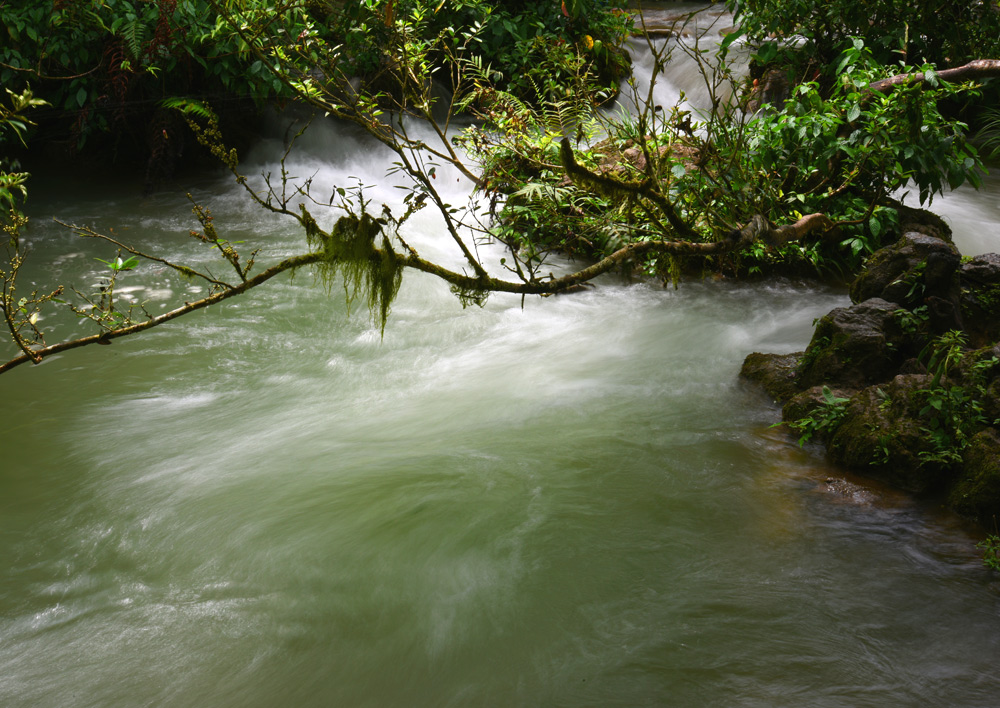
(730, 38)
(81, 97)
(853, 113)
(844, 61)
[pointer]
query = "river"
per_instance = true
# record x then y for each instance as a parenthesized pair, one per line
(573, 502)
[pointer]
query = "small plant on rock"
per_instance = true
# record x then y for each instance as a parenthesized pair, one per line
(824, 419)
(990, 547)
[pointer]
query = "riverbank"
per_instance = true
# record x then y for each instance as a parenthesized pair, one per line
(904, 384)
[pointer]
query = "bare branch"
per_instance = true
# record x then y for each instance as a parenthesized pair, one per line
(36, 355)
(759, 229)
(182, 269)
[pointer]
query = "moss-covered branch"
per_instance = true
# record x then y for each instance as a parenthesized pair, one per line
(349, 250)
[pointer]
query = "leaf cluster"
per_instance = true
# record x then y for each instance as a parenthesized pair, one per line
(954, 403)
(824, 419)
(101, 62)
(911, 31)
(532, 48)
(844, 152)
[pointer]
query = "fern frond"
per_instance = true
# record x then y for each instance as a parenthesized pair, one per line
(539, 192)
(133, 35)
(188, 106)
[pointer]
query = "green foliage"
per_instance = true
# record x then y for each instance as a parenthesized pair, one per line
(119, 265)
(530, 48)
(990, 547)
(541, 217)
(189, 107)
(953, 409)
(13, 119)
(12, 183)
(104, 308)
(843, 153)
(989, 132)
(101, 62)
(912, 321)
(105, 63)
(20, 312)
(912, 32)
(825, 418)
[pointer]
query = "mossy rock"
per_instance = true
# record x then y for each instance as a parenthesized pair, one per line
(976, 494)
(882, 436)
(980, 299)
(923, 221)
(913, 268)
(853, 347)
(804, 404)
(775, 372)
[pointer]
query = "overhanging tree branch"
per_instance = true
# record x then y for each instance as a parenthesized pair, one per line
(758, 229)
(36, 355)
(978, 69)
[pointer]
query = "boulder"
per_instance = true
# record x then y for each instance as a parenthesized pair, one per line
(981, 270)
(776, 373)
(882, 435)
(943, 440)
(907, 272)
(809, 401)
(853, 347)
(976, 494)
(980, 298)
(923, 221)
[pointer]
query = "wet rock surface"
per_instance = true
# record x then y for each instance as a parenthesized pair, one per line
(980, 298)
(909, 374)
(915, 266)
(852, 346)
(977, 492)
(775, 373)
(882, 435)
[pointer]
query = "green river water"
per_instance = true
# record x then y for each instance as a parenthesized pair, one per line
(570, 503)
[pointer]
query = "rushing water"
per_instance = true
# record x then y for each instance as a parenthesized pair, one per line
(570, 502)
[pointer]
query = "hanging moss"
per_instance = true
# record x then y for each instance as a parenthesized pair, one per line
(469, 297)
(350, 252)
